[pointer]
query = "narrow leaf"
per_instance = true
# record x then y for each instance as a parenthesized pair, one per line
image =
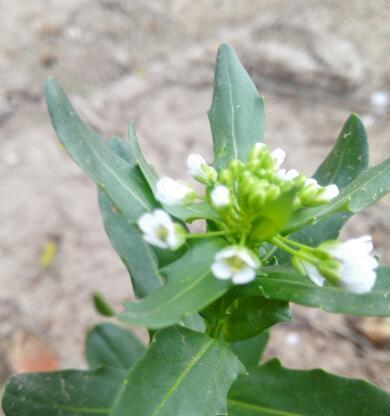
(193, 212)
(62, 393)
(187, 213)
(121, 148)
(274, 390)
(362, 192)
(147, 169)
(102, 164)
(144, 276)
(109, 345)
(190, 287)
(101, 305)
(183, 373)
(284, 283)
(348, 158)
(237, 112)
(135, 253)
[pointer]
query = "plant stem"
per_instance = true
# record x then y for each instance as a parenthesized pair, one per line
(292, 242)
(209, 234)
(278, 242)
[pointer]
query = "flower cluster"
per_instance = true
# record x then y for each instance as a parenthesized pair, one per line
(254, 201)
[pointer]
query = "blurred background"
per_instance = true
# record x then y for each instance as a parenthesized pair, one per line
(314, 61)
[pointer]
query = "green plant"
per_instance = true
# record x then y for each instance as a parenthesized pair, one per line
(208, 299)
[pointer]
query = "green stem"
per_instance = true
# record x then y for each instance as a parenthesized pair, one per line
(269, 255)
(278, 242)
(243, 239)
(210, 234)
(292, 242)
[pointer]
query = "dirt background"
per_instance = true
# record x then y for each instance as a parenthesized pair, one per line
(315, 62)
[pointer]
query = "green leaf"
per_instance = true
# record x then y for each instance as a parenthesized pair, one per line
(118, 179)
(250, 350)
(187, 213)
(251, 315)
(183, 373)
(277, 391)
(119, 232)
(237, 112)
(345, 162)
(284, 283)
(110, 345)
(147, 170)
(190, 287)
(366, 189)
(121, 148)
(62, 393)
(138, 256)
(274, 217)
(192, 212)
(101, 305)
(348, 158)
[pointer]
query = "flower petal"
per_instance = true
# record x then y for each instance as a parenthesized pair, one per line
(248, 258)
(221, 270)
(194, 164)
(147, 223)
(220, 196)
(330, 192)
(244, 276)
(171, 192)
(154, 241)
(278, 155)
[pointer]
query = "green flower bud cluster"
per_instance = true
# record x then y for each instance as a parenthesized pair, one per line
(255, 187)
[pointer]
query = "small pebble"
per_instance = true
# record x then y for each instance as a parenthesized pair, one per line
(292, 339)
(380, 100)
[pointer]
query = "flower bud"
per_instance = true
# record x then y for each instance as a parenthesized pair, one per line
(273, 192)
(236, 167)
(200, 170)
(254, 166)
(256, 152)
(171, 192)
(226, 177)
(257, 198)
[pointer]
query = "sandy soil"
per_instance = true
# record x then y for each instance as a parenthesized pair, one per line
(314, 61)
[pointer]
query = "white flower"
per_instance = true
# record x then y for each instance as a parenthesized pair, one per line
(287, 176)
(171, 192)
(278, 155)
(235, 263)
(323, 193)
(329, 192)
(160, 231)
(220, 196)
(199, 169)
(357, 265)
(355, 268)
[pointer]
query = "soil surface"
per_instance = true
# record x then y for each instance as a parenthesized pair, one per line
(315, 62)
